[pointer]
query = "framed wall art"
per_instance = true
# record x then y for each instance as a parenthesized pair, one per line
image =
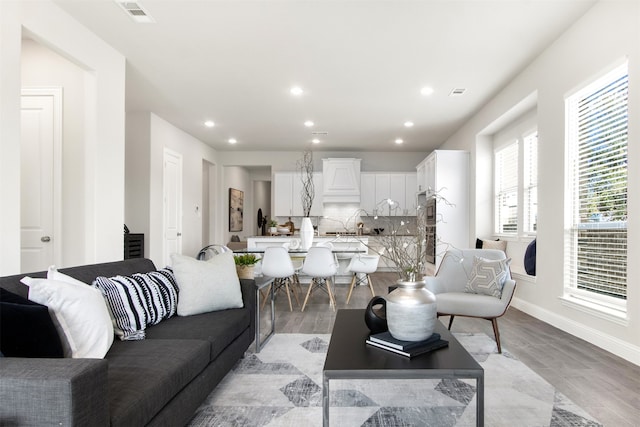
(236, 206)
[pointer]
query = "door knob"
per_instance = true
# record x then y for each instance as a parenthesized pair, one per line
(179, 234)
(45, 239)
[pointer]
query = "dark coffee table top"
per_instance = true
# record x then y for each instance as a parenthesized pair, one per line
(349, 356)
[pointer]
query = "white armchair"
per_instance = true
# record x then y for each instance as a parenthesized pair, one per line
(450, 282)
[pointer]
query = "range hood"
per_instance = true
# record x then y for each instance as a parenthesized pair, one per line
(341, 180)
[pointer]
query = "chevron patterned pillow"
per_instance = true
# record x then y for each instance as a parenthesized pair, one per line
(488, 276)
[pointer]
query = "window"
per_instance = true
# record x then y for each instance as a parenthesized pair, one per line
(516, 188)
(596, 232)
(506, 203)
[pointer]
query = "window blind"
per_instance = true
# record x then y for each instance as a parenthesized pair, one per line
(530, 208)
(598, 151)
(506, 189)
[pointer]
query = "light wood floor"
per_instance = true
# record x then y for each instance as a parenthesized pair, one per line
(603, 384)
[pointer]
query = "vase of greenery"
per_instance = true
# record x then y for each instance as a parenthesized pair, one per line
(245, 265)
(305, 167)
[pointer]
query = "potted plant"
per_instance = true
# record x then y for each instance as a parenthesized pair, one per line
(273, 226)
(245, 265)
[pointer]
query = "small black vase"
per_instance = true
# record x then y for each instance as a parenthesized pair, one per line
(376, 319)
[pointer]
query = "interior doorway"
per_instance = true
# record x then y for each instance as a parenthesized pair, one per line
(172, 191)
(40, 178)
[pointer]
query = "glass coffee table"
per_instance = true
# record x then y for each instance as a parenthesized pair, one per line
(348, 357)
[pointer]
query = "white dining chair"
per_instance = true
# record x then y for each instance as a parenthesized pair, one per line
(321, 266)
(362, 266)
(276, 263)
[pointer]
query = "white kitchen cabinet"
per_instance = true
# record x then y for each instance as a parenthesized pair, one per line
(287, 200)
(368, 192)
(447, 173)
(282, 194)
(410, 191)
(379, 186)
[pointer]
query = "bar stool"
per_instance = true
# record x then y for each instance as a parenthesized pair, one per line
(362, 266)
(276, 263)
(321, 266)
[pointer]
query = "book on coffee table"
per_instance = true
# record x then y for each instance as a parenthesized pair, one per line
(409, 348)
(387, 339)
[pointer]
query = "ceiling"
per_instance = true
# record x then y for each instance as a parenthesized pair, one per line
(360, 63)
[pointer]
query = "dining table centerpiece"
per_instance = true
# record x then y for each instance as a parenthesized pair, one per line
(307, 193)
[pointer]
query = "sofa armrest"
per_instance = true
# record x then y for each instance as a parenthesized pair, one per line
(65, 392)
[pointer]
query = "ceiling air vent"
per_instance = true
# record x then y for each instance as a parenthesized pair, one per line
(136, 12)
(457, 91)
(319, 133)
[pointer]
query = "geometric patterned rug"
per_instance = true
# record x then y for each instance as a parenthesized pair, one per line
(282, 386)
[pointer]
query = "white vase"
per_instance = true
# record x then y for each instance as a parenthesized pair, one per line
(411, 311)
(306, 233)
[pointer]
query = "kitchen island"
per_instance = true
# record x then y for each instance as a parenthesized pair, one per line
(349, 246)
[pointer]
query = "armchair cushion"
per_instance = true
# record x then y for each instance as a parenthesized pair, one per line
(488, 276)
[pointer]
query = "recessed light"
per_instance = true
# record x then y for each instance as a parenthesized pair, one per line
(408, 124)
(308, 123)
(232, 141)
(296, 91)
(209, 123)
(426, 91)
(315, 141)
(398, 141)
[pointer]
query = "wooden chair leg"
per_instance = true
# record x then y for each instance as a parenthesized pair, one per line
(294, 291)
(451, 321)
(308, 293)
(373, 294)
(286, 288)
(332, 298)
(496, 332)
(353, 282)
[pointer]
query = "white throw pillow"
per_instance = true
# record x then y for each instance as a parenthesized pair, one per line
(495, 244)
(488, 276)
(80, 315)
(206, 285)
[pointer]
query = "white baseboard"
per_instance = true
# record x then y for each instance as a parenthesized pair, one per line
(611, 344)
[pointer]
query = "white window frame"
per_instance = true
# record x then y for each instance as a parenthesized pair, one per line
(603, 306)
(516, 133)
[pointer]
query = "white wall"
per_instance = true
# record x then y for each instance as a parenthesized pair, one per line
(604, 35)
(147, 137)
(103, 133)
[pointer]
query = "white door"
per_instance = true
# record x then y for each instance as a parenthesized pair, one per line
(40, 145)
(172, 188)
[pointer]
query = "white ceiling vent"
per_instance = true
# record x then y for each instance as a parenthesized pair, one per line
(136, 12)
(457, 91)
(321, 133)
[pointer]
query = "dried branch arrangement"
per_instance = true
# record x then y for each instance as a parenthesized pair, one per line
(307, 193)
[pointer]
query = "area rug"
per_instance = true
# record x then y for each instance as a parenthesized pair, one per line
(282, 386)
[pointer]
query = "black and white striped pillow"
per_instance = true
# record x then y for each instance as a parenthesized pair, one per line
(139, 300)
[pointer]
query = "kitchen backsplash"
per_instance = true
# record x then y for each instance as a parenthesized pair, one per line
(341, 217)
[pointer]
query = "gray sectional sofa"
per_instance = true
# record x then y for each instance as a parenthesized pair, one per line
(160, 380)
